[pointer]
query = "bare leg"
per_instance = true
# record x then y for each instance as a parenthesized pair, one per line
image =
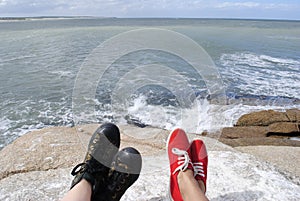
(189, 187)
(202, 186)
(80, 192)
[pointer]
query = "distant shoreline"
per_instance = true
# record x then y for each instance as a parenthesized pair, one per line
(47, 18)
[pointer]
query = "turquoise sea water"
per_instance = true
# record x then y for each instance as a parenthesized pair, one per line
(259, 63)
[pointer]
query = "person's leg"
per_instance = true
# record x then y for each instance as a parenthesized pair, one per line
(188, 167)
(91, 175)
(202, 186)
(179, 159)
(80, 192)
(189, 187)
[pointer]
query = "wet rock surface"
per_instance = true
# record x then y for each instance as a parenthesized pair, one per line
(264, 128)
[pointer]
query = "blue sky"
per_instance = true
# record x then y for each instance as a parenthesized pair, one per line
(263, 9)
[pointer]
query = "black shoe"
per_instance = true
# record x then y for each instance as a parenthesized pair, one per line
(103, 146)
(125, 170)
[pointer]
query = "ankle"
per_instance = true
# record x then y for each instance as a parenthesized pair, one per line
(86, 183)
(84, 186)
(185, 174)
(183, 177)
(202, 186)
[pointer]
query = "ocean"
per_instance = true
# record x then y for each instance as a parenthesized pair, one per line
(257, 63)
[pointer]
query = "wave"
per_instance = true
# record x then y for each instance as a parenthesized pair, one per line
(281, 61)
(255, 60)
(250, 73)
(201, 116)
(21, 117)
(291, 38)
(6, 59)
(62, 74)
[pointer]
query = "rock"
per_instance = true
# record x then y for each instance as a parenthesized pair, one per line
(262, 124)
(284, 128)
(50, 185)
(244, 132)
(293, 115)
(37, 167)
(288, 153)
(260, 141)
(135, 121)
(262, 118)
(45, 149)
(232, 175)
(62, 147)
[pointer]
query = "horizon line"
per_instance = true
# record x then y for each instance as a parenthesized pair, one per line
(106, 17)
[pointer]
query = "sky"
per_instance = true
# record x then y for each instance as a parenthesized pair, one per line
(249, 9)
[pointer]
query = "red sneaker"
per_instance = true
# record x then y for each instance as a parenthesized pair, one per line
(179, 158)
(199, 160)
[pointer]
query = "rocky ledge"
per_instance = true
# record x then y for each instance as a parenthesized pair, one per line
(37, 165)
(266, 127)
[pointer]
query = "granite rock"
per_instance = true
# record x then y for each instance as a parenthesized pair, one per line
(244, 132)
(283, 128)
(45, 149)
(267, 127)
(259, 141)
(28, 173)
(293, 115)
(262, 118)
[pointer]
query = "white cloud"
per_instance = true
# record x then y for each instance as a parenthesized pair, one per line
(3, 2)
(253, 5)
(238, 5)
(144, 8)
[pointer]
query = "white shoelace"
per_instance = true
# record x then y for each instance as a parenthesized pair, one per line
(198, 169)
(183, 159)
